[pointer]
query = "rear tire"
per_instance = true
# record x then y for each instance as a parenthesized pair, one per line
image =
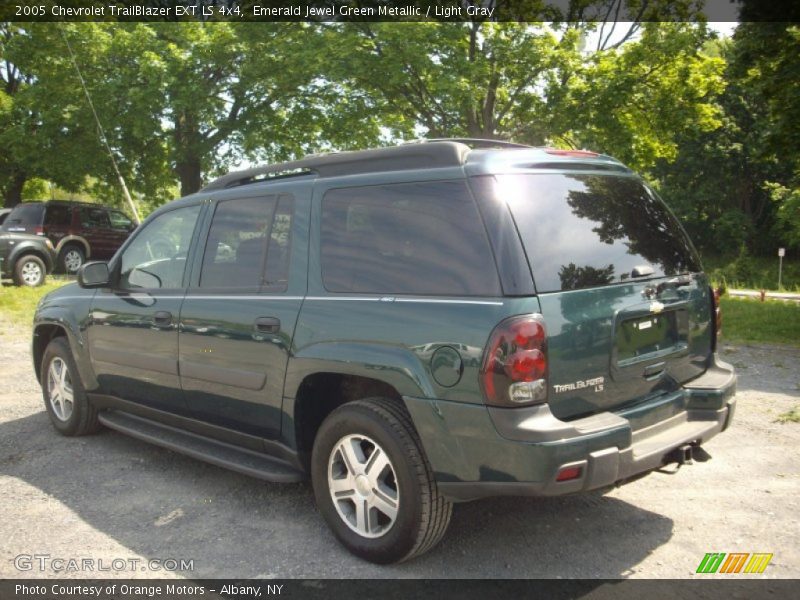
(30, 271)
(64, 395)
(385, 472)
(71, 259)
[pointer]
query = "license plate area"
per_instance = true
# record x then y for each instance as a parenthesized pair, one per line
(648, 337)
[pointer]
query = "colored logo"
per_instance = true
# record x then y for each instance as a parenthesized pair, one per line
(734, 562)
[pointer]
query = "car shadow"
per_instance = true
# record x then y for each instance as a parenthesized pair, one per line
(160, 504)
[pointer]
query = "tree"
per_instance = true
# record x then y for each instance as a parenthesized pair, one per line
(40, 124)
(740, 183)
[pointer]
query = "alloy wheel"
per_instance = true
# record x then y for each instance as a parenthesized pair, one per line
(363, 485)
(59, 389)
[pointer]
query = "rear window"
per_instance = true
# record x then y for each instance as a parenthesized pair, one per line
(24, 215)
(584, 231)
(422, 238)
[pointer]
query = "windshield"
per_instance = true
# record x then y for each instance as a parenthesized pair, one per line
(584, 230)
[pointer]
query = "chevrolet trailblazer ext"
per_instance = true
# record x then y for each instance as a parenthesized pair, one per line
(410, 327)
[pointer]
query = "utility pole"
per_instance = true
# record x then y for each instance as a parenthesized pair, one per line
(101, 131)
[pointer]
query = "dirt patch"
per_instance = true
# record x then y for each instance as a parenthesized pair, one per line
(109, 497)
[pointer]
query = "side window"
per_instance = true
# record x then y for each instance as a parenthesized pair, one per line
(156, 258)
(94, 218)
(119, 221)
(412, 238)
(58, 214)
(248, 244)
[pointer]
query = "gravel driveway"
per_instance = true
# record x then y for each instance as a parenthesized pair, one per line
(111, 497)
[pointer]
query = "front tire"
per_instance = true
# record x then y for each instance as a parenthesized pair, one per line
(30, 271)
(373, 484)
(64, 395)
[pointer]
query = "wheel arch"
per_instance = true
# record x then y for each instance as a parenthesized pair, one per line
(74, 240)
(26, 250)
(45, 331)
(319, 395)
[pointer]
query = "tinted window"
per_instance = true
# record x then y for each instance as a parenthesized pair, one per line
(409, 238)
(119, 221)
(156, 258)
(589, 230)
(23, 215)
(94, 217)
(58, 214)
(248, 244)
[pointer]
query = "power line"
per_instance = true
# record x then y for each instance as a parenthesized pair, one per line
(100, 129)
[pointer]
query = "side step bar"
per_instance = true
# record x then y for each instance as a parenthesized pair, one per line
(241, 460)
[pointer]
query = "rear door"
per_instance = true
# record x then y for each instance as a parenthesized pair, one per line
(239, 315)
(619, 284)
(57, 221)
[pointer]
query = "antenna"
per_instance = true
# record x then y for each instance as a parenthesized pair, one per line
(100, 129)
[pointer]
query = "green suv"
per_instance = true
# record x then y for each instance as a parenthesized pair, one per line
(409, 327)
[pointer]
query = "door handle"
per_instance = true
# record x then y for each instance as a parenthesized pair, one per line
(267, 325)
(162, 318)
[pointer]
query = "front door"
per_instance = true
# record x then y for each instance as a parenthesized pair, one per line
(238, 317)
(133, 327)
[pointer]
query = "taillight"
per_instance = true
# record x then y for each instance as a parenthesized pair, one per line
(716, 314)
(38, 230)
(514, 370)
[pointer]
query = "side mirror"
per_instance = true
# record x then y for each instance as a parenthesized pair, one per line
(93, 275)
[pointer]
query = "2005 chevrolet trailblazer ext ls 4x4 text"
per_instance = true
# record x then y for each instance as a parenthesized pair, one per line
(408, 326)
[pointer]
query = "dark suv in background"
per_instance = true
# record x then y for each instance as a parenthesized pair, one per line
(26, 259)
(78, 230)
(409, 327)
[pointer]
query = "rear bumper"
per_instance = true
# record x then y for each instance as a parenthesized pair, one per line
(478, 452)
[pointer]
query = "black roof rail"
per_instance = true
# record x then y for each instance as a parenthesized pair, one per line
(396, 158)
(477, 142)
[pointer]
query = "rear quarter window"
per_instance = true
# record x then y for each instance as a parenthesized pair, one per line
(422, 238)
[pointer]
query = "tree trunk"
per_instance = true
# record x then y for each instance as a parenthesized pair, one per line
(13, 192)
(187, 145)
(190, 174)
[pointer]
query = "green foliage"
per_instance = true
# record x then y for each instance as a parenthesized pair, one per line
(635, 101)
(749, 272)
(740, 183)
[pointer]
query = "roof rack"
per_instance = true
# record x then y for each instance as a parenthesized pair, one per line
(477, 142)
(444, 153)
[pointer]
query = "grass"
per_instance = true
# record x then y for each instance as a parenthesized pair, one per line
(793, 416)
(770, 322)
(17, 304)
